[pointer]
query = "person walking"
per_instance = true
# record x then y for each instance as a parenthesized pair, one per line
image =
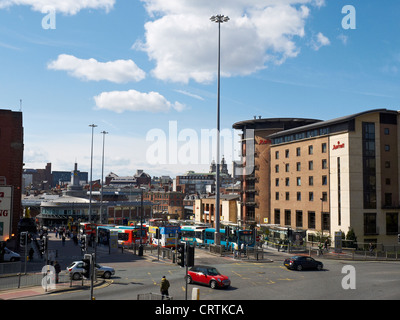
(57, 268)
(164, 286)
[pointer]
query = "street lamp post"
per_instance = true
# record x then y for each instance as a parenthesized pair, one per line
(102, 177)
(90, 180)
(218, 19)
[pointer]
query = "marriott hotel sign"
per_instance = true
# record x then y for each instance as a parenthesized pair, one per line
(338, 146)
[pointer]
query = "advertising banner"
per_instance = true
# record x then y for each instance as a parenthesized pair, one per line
(5, 212)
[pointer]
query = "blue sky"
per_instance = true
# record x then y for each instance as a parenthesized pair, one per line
(139, 69)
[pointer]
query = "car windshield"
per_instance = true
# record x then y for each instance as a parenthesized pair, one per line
(212, 272)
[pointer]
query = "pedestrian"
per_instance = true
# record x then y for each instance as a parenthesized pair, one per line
(236, 249)
(31, 254)
(371, 248)
(57, 268)
(164, 286)
(320, 249)
(326, 244)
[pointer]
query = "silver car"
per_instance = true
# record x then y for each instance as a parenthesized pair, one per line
(75, 270)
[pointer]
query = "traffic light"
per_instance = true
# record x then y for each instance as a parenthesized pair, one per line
(22, 239)
(190, 256)
(83, 243)
(181, 254)
(86, 265)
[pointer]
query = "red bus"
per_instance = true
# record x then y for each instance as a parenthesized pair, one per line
(131, 235)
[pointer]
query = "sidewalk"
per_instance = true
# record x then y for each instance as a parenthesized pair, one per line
(65, 254)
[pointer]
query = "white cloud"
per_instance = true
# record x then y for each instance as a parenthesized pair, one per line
(118, 71)
(320, 42)
(132, 100)
(71, 7)
(259, 33)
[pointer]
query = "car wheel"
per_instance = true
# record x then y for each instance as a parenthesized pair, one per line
(76, 276)
(213, 284)
(188, 279)
(319, 267)
(107, 275)
(299, 267)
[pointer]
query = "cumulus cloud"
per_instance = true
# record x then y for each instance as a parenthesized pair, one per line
(320, 42)
(260, 32)
(118, 71)
(71, 7)
(132, 100)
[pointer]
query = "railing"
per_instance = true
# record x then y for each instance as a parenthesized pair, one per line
(153, 296)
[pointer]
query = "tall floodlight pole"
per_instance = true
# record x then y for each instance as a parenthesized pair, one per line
(218, 19)
(90, 180)
(102, 177)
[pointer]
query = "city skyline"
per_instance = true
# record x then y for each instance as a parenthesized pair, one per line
(145, 72)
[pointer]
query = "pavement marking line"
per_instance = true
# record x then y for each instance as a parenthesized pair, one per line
(152, 279)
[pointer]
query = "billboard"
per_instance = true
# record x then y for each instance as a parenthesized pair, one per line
(5, 212)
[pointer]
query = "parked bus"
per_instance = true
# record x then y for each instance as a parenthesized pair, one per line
(87, 228)
(246, 237)
(193, 234)
(128, 235)
(164, 236)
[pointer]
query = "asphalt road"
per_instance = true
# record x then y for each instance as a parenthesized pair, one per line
(268, 280)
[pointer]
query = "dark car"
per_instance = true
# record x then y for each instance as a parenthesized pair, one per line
(207, 275)
(302, 262)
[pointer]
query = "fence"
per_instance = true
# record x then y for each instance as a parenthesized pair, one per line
(153, 296)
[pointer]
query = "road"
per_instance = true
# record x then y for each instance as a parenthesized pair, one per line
(268, 280)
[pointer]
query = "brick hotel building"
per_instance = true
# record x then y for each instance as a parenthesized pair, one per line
(330, 176)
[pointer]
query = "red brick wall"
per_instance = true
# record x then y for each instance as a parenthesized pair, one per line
(11, 158)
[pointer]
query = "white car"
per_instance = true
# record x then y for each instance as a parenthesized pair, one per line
(75, 270)
(11, 255)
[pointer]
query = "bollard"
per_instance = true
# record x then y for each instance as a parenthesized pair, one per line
(196, 294)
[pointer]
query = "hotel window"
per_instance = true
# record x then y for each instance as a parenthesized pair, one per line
(310, 165)
(298, 152)
(386, 131)
(387, 164)
(287, 196)
(287, 182)
(388, 199)
(299, 218)
(276, 195)
(392, 223)
(324, 180)
(369, 165)
(298, 181)
(310, 180)
(288, 217)
(277, 182)
(277, 214)
(310, 149)
(387, 147)
(370, 223)
(276, 154)
(277, 168)
(311, 196)
(287, 153)
(287, 167)
(323, 147)
(298, 166)
(298, 196)
(324, 164)
(324, 197)
(311, 219)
